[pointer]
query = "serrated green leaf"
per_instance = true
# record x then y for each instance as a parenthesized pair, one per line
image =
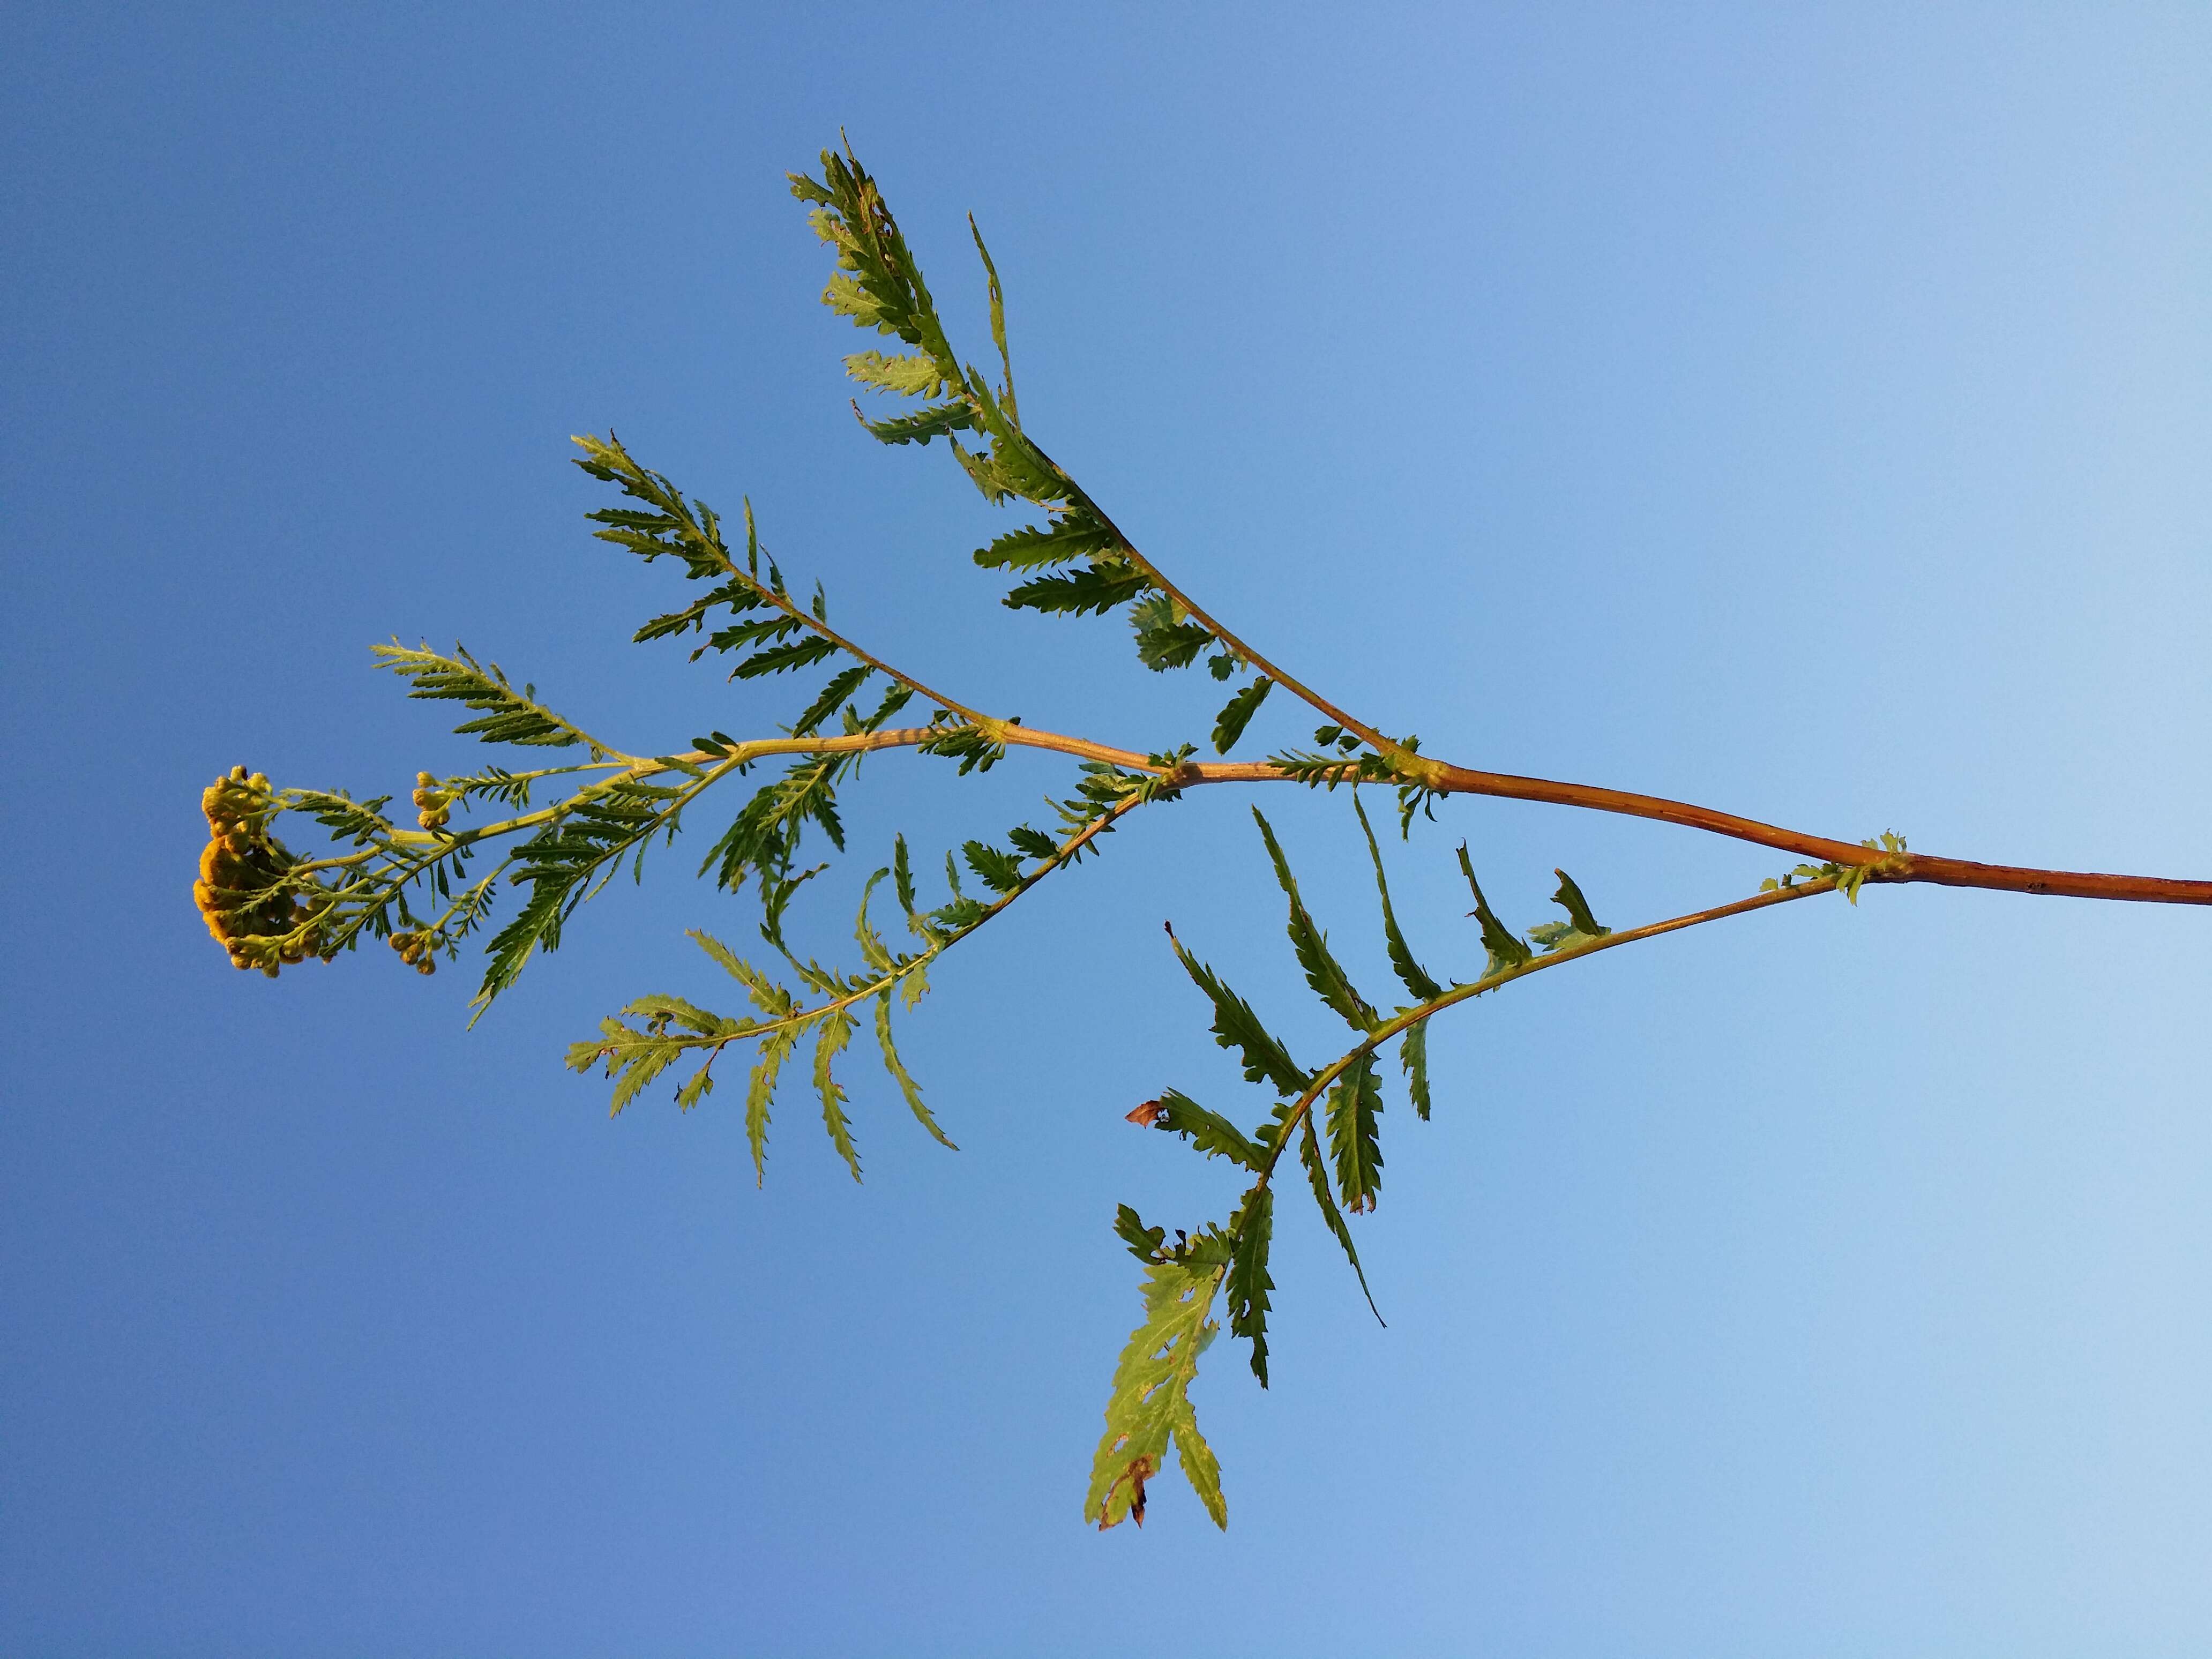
(1251, 1232)
(771, 998)
(998, 319)
(782, 659)
(1413, 1057)
(1506, 951)
(907, 376)
(999, 870)
(1143, 1242)
(1324, 972)
(1229, 725)
(873, 950)
(938, 421)
(895, 699)
(1570, 899)
(1211, 1134)
(840, 688)
(1415, 978)
(760, 1090)
(506, 715)
(1236, 1026)
(1355, 1100)
(1095, 587)
(1317, 1175)
(640, 1065)
(1150, 1407)
(971, 746)
(1166, 639)
(835, 1031)
(1075, 535)
(908, 1087)
(902, 880)
(663, 1010)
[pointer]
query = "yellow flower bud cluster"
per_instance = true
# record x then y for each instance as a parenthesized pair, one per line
(434, 803)
(414, 950)
(240, 892)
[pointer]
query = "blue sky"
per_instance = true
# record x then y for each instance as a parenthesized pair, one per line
(1801, 411)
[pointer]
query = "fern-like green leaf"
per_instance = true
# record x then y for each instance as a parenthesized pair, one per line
(835, 1031)
(999, 870)
(938, 421)
(1506, 951)
(506, 715)
(760, 1092)
(1095, 587)
(1355, 1100)
(1237, 714)
(1150, 1407)
(1317, 1175)
(909, 1089)
(1415, 978)
(1324, 972)
(1413, 1057)
(841, 688)
(1213, 1134)
(1251, 1232)
(1165, 637)
(1073, 535)
(1236, 1026)
(1570, 899)
(907, 376)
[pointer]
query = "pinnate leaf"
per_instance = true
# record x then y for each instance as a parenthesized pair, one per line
(1150, 1407)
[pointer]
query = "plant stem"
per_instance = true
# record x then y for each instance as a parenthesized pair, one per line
(1411, 1016)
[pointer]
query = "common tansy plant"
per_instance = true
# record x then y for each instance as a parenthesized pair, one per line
(530, 845)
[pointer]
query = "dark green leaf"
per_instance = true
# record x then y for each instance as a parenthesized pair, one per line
(1570, 899)
(1076, 535)
(835, 1032)
(1414, 1056)
(840, 687)
(508, 715)
(908, 1088)
(1000, 871)
(1164, 638)
(973, 747)
(1095, 587)
(1233, 719)
(938, 421)
(777, 659)
(1415, 978)
(1251, 1232)
(1355, 1100)
(1236, 1026)
(1143, 1242)
(1324, 972)
(774, 1049)
(1309, 1155)
(1211, 1133)
(1505, 949)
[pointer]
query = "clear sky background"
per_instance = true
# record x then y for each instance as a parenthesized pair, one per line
(1800, 410)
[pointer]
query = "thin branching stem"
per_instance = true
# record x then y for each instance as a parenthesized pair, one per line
(1303, 1106)
(802, 1017)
